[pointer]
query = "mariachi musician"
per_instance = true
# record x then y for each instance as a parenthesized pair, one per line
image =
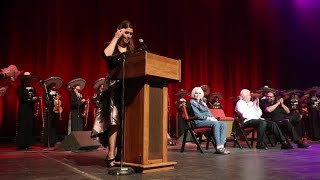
(215, 101)
(182, 100)
(206, 91)
(53, 110)
(313, 103)
(292, 101)
(26, 113)
(78, 104)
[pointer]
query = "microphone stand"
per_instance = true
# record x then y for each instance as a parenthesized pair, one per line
(122, 170)
(47, 115)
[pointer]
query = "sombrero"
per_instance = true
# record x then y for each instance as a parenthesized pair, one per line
(182, 92)
(256, 95)
(215, 94)
(206, 89)
(314, 88)
(234, 98)
(280, 92)
(266, 89)
(78, 81)
(54, 80)
(12, 68)
(304, 97)
(292, 91)
(98, 83)
(27, 75)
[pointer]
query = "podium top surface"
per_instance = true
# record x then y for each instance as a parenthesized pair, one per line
(144, 64)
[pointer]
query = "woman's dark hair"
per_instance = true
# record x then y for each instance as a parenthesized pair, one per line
(127, 24)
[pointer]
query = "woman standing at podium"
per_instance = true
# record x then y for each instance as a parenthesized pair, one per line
(114, 52)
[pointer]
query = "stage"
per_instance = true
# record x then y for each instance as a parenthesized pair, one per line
(40, 163)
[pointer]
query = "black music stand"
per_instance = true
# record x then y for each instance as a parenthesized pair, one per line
(47, 113)
(122, 170)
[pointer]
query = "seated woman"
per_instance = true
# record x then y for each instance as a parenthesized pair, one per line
(205, 119)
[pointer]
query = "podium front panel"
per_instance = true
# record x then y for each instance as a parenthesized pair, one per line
(155, 123)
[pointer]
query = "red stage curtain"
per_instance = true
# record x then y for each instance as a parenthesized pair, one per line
(224, 44)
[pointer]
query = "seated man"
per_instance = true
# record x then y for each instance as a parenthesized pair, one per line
(278, 112)
(205, 119)
(251, 113)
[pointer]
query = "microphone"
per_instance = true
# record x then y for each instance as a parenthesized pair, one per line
(144, 46)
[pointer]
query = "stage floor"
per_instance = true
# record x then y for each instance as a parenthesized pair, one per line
(246, 164)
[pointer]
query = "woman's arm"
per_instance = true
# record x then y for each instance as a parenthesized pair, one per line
(108, 51)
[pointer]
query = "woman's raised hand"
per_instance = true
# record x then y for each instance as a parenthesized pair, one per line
(119, 33)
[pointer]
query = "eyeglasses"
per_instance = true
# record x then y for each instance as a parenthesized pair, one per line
(269, 96)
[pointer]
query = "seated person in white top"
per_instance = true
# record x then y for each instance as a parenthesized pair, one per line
(251, 113)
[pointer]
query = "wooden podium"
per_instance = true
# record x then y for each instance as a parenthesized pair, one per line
(146, 114)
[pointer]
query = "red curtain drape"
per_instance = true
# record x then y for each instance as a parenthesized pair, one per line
(224, 44)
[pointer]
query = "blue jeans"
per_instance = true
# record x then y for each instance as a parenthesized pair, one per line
(218, 128)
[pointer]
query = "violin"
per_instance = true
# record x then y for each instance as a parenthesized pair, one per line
(57, 104)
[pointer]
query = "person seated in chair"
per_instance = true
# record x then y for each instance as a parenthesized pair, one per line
(294, 104)
(206, 119)
(313, 108)
(251, 113)
(279, 113)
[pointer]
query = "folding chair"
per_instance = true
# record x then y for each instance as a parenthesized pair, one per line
(195, 131)
(220, 115)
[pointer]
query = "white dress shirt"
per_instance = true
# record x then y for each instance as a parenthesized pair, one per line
(248, 110)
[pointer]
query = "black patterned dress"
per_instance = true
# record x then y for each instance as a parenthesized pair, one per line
(100, 124)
